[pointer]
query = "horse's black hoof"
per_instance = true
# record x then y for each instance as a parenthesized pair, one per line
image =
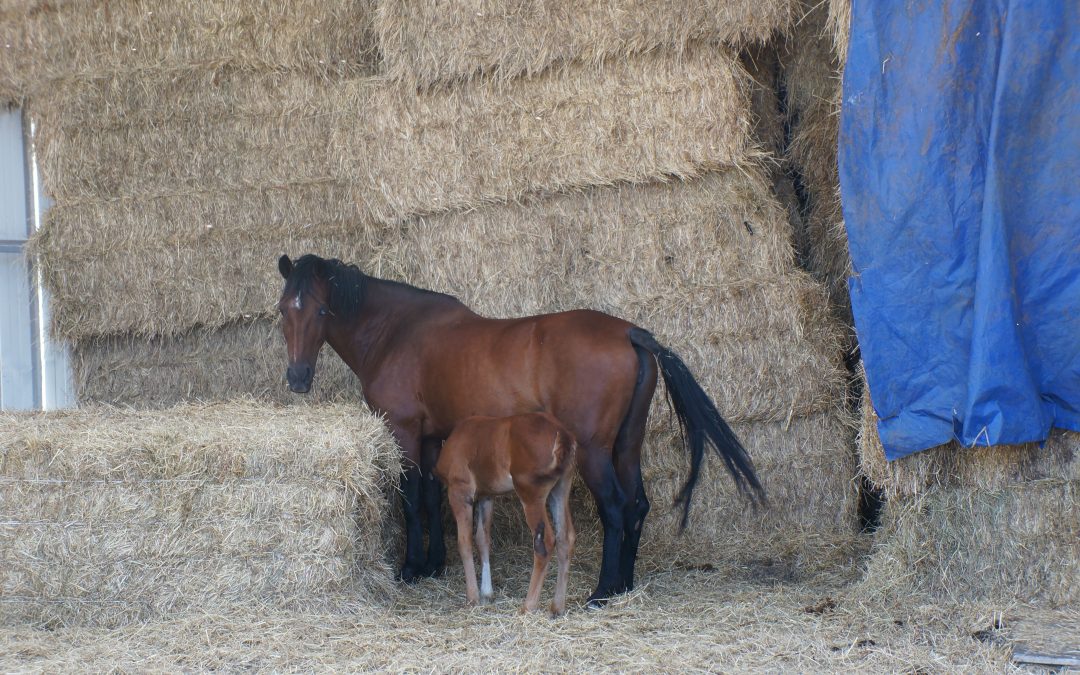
(408, 575)
(432, 571)
(597, 601)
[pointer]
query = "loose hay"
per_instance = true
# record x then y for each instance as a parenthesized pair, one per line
(110, 516)
(678, 620)
(424, 43)
(1020, 542)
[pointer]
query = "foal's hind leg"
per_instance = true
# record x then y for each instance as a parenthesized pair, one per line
(559, 504)
(543, 532)
(483, 543)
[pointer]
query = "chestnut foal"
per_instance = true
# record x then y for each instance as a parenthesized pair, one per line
(531, 454)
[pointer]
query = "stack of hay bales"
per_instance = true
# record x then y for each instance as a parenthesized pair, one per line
(997, 523)
(111, 515)
(613, 167)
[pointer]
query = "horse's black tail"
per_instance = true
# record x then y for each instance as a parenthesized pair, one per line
(700, 423)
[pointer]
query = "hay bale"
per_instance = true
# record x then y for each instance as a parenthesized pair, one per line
(401, 154)
(808, 468)
(44, 41)
(705, 264)
(1019, 542)
(567, 251)
(954, 466)
(424, 43)
(243, 358)
(113, 515)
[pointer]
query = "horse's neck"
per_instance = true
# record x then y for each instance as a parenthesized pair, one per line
(390, 314)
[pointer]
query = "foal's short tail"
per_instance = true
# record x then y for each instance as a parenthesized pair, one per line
(563, 451)
(700, 423)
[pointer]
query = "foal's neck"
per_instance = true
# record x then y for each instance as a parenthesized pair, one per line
(390, 314)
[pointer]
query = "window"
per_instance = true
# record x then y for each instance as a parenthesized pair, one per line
(34, 370)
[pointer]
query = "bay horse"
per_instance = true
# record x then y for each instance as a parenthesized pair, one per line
(426, 361)
(531, 454)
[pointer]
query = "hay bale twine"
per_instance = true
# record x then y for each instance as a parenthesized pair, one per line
(112, 515)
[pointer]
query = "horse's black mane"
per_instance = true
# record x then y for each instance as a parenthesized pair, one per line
(347, 283)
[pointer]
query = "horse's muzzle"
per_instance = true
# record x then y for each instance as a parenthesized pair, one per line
(299, 377)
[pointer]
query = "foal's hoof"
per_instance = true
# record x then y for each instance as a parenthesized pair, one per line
(408, 575)
(429, 570)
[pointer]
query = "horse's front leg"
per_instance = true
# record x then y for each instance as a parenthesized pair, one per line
(435, 564)
(408, 438)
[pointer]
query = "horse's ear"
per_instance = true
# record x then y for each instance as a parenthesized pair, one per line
(284, 266)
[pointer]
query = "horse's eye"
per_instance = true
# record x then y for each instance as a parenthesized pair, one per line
(323, 311)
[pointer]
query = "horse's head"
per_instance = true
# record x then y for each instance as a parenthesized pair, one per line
(305, 312)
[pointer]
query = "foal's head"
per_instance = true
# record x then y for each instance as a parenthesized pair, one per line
(317, 291)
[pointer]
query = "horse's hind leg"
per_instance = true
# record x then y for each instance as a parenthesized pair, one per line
(599, 475)
(559, 504)
(435, 564)
(627, 458)
(483, 543)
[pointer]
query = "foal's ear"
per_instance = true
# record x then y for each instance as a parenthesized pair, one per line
(284, 266)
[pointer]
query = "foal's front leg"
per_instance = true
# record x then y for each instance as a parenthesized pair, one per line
(461, 502)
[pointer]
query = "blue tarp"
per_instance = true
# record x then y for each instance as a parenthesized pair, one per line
(960, 177)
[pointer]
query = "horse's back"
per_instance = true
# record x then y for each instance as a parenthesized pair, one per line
(578, 365)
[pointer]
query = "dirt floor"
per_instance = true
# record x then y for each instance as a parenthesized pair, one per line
(681, 618)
